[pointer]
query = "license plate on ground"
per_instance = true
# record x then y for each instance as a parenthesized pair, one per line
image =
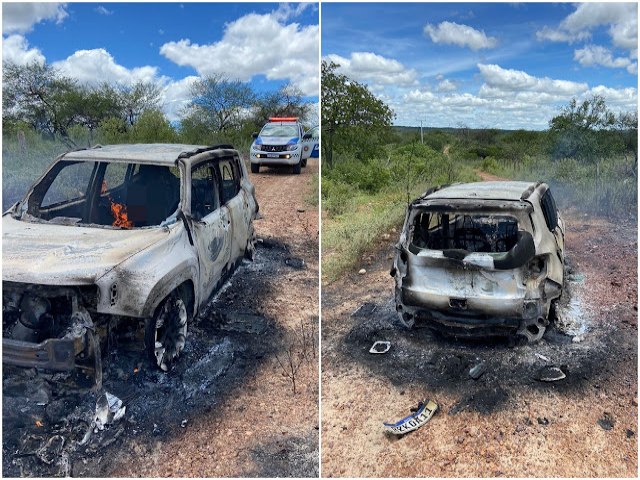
(422, 415)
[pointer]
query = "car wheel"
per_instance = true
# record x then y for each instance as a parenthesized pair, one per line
(166, 332)
(255, 168)
(297, 168)
(304, 162)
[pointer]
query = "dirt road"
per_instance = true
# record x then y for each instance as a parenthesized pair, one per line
(228, 408)
(505, 423)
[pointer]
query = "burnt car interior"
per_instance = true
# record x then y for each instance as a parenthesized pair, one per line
(480, 233)
(113, 194)
(213, 183)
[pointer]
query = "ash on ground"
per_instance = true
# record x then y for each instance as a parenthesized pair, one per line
(49, 426)
(440, 363)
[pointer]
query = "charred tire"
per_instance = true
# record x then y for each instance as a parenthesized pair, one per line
(297, 168)
(166, 332)
(255, 168)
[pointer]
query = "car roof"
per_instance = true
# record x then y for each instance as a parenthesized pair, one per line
(503, 190)
(152, 153)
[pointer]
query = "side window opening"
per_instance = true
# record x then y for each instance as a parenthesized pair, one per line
(230, 180)
(204, 190)
(549, 210)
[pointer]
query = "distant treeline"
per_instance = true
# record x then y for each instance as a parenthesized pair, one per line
(38, 99)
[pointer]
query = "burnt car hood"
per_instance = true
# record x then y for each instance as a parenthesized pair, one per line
(51, 254)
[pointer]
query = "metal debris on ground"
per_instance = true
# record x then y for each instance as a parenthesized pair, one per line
(381, 346)
(362, 271)
(422, 414)
(184, 422)
(109, 409)
(477, 370)
(50, 451)
(542, 357)
(550, 374)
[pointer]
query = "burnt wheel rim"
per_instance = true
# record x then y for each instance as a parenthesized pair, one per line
(170, 332)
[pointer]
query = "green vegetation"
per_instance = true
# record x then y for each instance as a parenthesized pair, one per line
(354, 121)
(371, 170)
(45, 114)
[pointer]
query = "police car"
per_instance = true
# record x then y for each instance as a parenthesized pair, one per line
(311, 143)
(280, 142)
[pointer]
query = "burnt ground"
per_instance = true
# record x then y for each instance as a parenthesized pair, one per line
(227, 408)
(506, 422)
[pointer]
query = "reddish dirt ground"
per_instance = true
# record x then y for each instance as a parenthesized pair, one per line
(516, 426)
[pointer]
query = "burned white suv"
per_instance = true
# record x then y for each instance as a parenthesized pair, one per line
(118, 234)
(481, 259)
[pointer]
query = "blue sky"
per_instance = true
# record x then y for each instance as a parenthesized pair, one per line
(267, 45)
(485, 64)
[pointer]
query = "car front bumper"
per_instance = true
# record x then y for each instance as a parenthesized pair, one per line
(276, 158)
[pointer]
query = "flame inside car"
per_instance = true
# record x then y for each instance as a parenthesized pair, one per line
(118, 210)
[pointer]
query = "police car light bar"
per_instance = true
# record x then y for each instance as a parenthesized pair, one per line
(283, 119)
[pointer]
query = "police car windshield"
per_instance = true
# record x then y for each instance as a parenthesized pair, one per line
(273, 130)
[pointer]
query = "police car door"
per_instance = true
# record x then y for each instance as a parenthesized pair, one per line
(307, 144)
(211, 225)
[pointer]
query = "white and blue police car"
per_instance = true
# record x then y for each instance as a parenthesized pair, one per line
(280, 142)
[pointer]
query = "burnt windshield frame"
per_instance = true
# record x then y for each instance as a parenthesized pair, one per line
(93, 196)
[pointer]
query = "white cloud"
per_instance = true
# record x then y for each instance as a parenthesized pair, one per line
(622, 19)
(103, 11)
(618, 99)
(287, 11)
(446, 85)
(589, 15)
(375, 69)
(256, 45)
(592, 55)
(21, 17)
(557, 35)
(175, 97)
(517, 80)
(92, 67)
(508, 99)
(15, 49)
(452, 33)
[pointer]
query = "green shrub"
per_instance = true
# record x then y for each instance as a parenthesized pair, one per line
(336, 196)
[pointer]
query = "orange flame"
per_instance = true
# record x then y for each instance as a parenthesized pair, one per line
(118, 210)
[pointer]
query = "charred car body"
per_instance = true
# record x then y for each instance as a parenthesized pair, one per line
(121, 233)
(481, 259)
